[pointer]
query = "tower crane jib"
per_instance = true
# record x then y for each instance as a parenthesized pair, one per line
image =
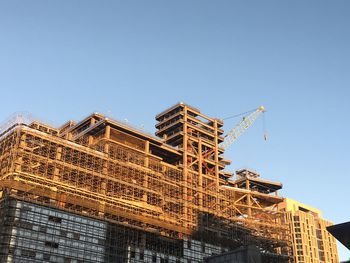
(241, 127)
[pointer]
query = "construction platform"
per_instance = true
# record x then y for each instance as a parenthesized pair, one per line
(157, 195)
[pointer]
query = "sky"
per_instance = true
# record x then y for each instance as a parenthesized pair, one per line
(62, 60)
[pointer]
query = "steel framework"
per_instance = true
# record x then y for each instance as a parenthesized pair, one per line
(173, 185)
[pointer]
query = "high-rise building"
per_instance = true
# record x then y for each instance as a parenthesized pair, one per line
(99, 190)
(312, 243)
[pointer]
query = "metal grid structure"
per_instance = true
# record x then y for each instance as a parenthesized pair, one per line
(171, 188)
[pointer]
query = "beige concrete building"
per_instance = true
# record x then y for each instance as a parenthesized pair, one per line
(312, 243)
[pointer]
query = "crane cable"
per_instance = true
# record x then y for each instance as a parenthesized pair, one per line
(237, 115)
(264, 127)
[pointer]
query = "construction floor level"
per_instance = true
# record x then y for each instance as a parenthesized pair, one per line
(102, 191)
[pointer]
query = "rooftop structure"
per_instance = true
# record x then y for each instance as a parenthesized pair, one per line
(157, 197)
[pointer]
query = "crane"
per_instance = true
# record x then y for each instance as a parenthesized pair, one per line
(241, 127)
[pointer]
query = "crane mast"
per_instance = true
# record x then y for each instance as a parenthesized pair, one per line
(240, 128)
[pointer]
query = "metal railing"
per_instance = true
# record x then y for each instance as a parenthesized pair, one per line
(18, 118)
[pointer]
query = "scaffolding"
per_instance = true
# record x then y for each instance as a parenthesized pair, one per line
(173, 186)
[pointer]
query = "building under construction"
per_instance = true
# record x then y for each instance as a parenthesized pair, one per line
(102, 191)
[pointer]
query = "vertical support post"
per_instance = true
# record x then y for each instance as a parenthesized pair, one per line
(145, 177)
(200, 175)
(92, 121)
(217, 178)
(22, 144)
(249, 196)
(185, 168)
(102, 205)
(107, 136)
(58, 157)
(61, 199)
(91, 138)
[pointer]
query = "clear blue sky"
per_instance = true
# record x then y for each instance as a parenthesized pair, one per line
(62, 60)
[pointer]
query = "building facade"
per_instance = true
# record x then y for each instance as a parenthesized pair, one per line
(99, 190)
(35, 233)
(312, 243)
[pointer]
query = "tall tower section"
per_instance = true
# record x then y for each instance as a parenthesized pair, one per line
(197, 137)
